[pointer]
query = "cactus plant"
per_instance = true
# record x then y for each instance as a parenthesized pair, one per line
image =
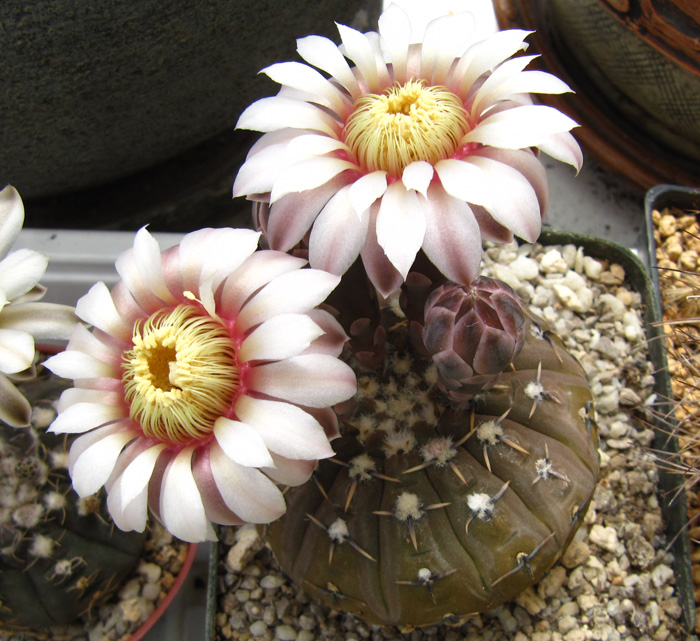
(432, 510)
(60, 556)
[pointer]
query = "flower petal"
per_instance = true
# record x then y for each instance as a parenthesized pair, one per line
(444, 40)
(290, 472)
(338, 234)
(15, 409)
(292, 215)
(452, 239)
(97, 308)
(93, 457)
(515, 204)
(241, 443)
(246, 491)
(278, 112)
(304, 78)
(484, 56)
(358, 48)
(286, 429)
(20, 271)
(41, 320)
(366, 190)
(417, 176)
(16, 351)
(464, 181)
(281, 336)
(316, 380)
(332, 340)
(520, 127)
(325, 55)
(77, 365)
(258, 270)
(395, 31)
(308, 174)
(133, 480)
(180, 506)
(400, 226)
(383, 275)
(294, 292)
(11, 218)
(563, 147)
(82, 417)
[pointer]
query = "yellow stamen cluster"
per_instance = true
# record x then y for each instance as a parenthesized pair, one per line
(180, 375)
(406, 123)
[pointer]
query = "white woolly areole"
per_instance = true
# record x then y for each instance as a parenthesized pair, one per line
(28, 516)
(489, 432)
(481, 504)
(55, 501)
(338, 530)
(42, 546)
(408, 507)
(399, 441)
(439, 450)
(534, 390)
(361, 467)
(543, 467)
(424, 575)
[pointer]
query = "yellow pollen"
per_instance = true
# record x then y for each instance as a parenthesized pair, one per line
(406, 123)
(180, 375)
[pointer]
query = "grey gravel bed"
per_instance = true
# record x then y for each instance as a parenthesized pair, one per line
(615, 582)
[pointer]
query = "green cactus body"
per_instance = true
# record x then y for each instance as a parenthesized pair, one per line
(433, 511)
(60, 556)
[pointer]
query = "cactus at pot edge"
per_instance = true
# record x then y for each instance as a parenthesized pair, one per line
(433, 510)
(59, 555)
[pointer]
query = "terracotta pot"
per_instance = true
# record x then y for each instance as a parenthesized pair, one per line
(635, 67)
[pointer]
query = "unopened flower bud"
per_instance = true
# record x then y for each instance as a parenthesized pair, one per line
(473, 333)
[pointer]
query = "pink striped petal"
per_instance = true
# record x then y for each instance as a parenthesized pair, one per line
(295, 292)
(291, 217)
(285, 428)
(134, 479)
(400, 226)
(316, 380)
(515, 204)
(383, 275)
(452, 239)
(308, 174)
(246, 491)
(338, 234)
(281, 336)
(332, 340)
(241, 443)
(256, 271)
(82, 417)
(181, 507)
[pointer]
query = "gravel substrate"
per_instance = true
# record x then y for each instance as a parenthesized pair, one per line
(615, 581)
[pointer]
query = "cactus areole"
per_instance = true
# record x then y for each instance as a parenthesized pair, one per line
(435, 509)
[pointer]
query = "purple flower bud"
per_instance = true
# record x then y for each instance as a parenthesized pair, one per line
(473, 333)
